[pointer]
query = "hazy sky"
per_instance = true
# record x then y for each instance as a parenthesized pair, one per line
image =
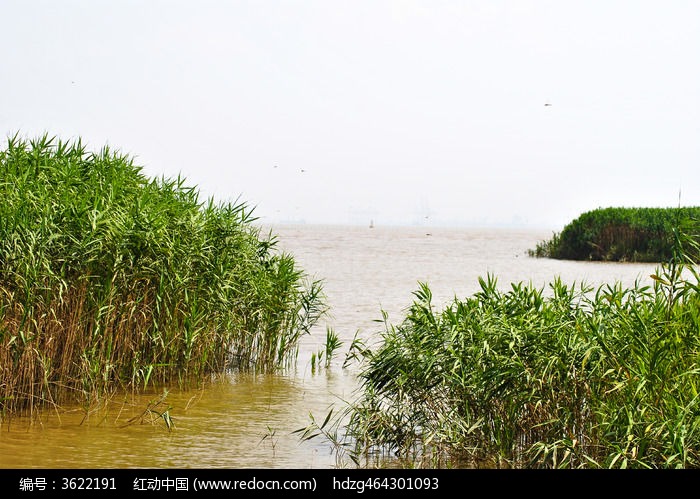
(394, 110)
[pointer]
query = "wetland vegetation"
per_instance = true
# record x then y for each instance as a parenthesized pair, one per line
(564, 376)
(110, 280)
(113, 281)
(621, 234)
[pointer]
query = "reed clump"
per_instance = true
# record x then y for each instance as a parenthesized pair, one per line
(565, 377)
(112, 280)
(620, 234)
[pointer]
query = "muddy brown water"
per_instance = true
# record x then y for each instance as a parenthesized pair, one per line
(248, 421)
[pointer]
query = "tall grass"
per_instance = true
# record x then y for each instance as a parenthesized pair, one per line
(110, 279)
(568, 376)
(621, 234)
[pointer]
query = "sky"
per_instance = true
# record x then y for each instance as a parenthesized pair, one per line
(522, 113)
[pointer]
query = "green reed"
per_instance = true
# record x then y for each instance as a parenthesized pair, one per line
(621, 234)
(110, 279)
(324, 357)
(564, 376)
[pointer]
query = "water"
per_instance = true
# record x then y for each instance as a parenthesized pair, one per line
(247, 421)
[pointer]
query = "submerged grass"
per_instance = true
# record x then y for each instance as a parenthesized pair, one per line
(568, 377)
(112, 280)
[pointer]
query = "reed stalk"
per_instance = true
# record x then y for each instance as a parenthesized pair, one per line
(567, 376)
(113, 280)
